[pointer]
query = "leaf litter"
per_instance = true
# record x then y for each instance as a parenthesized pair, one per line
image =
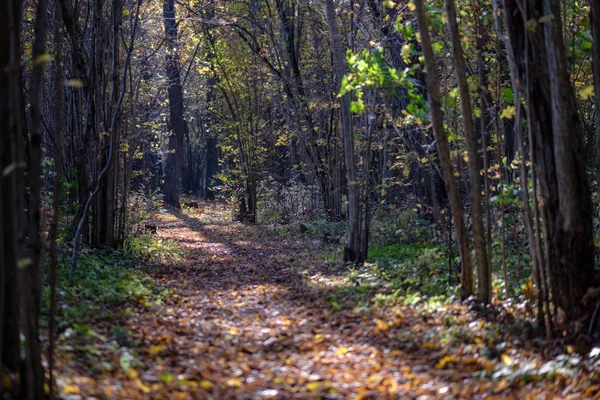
(247, 316)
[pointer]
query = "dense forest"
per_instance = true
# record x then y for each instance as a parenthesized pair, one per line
(248, 199)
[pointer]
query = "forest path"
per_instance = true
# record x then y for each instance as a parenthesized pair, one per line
(247, 317)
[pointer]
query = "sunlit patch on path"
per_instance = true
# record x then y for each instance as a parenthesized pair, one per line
(245, 320)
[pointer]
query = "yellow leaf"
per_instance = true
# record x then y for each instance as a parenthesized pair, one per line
(507, 360)
(361, 393)
(429, 345)
(411, 6)
(156, 349)
(43, 58)
(142, 387)
(444, 361)
(206, 385)
(233, 331)
(382, 326)
(587, 92)
(71, 389)
(75, 83)
(341, 351)
(508, 113)
(313, 386)
(234, 382)
(406, 52)
(503, 385)
(131, 373)
(389, 3)
(528, 290)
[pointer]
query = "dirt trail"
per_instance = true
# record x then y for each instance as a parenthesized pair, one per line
(246, 320)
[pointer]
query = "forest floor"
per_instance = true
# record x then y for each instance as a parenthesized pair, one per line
(248, 315)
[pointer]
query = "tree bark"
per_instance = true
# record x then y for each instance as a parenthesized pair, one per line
(484, 278)
(174, 163)
(443, 147)
(354, 250)
(595, 25)
(541, 72)
(10, 194)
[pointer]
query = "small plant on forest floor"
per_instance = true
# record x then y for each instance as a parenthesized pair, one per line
(102, 280)
(398, 274)
(149, 248)
(391, 225)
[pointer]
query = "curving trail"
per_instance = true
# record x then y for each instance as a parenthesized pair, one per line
(247, 318)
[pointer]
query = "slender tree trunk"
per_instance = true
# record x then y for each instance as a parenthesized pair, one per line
(174, 164)
(443, 147)
(58, 37)
(212, 156)
(354, 249)
(484, 278)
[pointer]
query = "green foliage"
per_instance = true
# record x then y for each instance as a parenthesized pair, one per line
(412, 268)
(102, 281)
(142, 206)
(287, 204)
(396, 274)
(369, 70)
(149, 248)
(390, 225)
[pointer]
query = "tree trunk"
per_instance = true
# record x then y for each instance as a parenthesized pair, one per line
(174, 163)
(484, 278)
(10, 198)
(595, 25)
(541, 71)
(212, 156)
(443, 147)
(354, 249)
(20, 269)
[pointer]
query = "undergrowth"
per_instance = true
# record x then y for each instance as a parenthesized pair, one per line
(395, 274)
(149, 248)
(105, 280)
